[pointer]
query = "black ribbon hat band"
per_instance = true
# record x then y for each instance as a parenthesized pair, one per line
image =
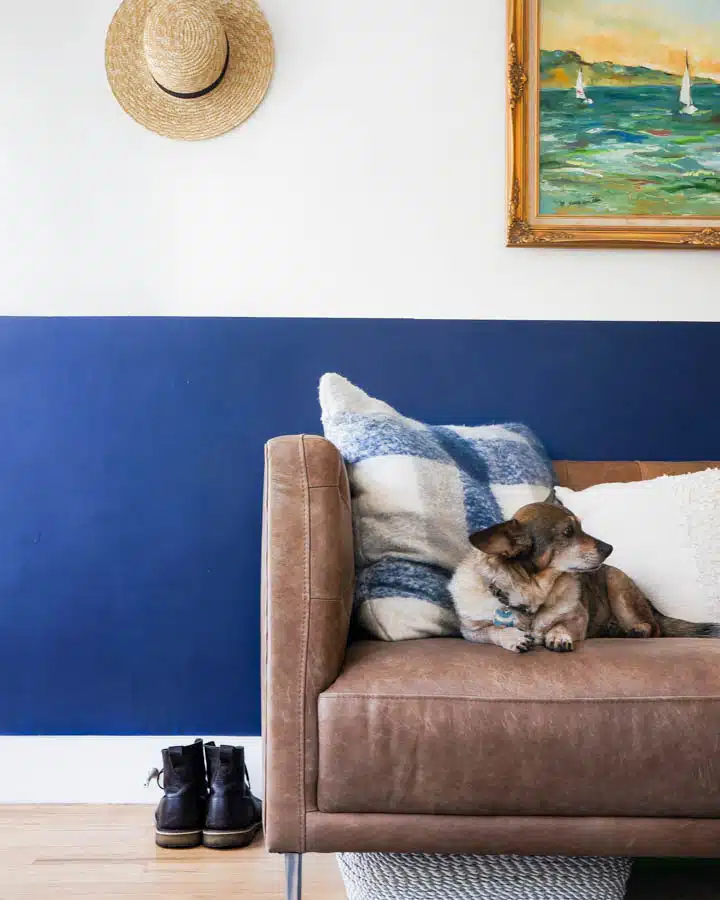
(195, 94)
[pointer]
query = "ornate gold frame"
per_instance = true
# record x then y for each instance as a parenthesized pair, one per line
(528, 229)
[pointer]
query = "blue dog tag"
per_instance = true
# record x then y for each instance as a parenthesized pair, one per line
(504, 617)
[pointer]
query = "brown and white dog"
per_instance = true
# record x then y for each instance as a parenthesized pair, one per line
(544, 568)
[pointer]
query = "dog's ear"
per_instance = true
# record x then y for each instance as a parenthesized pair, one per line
(507, 539)
(553, 499)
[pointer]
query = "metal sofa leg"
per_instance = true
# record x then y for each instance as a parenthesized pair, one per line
(293, 876)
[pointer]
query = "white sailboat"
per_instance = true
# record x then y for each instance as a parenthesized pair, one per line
(580, 89)
(686, 104)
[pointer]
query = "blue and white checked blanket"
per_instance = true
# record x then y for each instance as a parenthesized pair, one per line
(418, 492)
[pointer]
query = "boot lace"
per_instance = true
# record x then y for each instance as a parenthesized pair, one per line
(154, 775)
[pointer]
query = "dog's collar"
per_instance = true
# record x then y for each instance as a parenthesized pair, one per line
(504, 617)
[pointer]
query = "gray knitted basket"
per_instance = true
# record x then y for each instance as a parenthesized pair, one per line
(418, 876)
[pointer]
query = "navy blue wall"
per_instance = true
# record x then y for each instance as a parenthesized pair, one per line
(131, 479)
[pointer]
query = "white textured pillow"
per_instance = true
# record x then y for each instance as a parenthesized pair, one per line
(666, 535)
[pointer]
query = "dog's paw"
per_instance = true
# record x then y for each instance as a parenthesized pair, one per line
(641, 630)
(559, 643)
(515, 640)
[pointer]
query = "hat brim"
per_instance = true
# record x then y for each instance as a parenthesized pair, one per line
(245, 83)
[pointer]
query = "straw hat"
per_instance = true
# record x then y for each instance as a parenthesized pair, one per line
(189, 69)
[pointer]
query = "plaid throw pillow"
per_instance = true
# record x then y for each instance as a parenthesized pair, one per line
(418, 492)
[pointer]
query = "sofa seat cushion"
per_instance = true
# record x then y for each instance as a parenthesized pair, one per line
(618, 728)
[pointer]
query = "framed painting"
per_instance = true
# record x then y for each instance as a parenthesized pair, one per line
(614, 123)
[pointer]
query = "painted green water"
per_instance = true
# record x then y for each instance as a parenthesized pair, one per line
(630, 153)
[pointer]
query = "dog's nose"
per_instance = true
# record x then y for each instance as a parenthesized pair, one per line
(604, 549)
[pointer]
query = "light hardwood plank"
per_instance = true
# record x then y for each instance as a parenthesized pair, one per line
(59, 852)
(98, 852)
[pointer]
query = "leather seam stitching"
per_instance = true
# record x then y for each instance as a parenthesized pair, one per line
(265, 616)
(584, 700)
(685, 820)
(341, 495)
(305, 639)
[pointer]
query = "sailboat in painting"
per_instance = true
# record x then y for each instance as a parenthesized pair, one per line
(580, 89)
(687, 108)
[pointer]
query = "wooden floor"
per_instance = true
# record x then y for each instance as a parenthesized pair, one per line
(56, 852)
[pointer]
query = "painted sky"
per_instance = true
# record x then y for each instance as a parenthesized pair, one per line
(638, 32)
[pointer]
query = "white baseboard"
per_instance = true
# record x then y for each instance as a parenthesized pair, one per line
(96, 769)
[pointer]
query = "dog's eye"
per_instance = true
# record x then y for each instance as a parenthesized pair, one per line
(569, 530)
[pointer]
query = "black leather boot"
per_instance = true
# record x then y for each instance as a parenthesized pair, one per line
(180, 815)
(234, 816)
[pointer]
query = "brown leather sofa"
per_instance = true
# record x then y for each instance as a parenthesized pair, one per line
(443, 746)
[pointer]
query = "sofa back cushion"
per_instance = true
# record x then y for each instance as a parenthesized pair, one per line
(579, 475)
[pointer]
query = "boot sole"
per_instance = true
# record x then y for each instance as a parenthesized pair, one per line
(178, 840)
(228, 840)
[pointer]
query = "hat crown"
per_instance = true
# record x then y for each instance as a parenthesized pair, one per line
(185, 45)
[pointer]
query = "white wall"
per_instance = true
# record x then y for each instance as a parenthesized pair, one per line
(370, 182)
(97, 768)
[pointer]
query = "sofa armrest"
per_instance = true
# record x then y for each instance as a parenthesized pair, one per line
(307, 585)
